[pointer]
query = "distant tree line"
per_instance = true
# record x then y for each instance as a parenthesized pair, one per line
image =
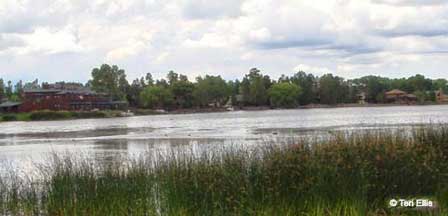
(176, 91)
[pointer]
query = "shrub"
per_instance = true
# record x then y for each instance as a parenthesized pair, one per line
(93, 114)
(50, 115)
(9, 117)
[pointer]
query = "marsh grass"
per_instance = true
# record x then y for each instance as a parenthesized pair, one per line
(347, 174)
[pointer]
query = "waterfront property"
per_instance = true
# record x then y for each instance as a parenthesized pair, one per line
(441, 97)
(400, 97)
(60, 97)
(9, 106)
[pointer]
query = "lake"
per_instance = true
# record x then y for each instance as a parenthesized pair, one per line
(24, 142)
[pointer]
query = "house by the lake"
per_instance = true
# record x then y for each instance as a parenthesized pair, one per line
(441, 97)
(400, 97)
(58, 97)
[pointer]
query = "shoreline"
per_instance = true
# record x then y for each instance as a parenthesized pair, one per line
(11, 117)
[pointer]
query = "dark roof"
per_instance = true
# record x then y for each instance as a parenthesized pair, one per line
(62, 91)
(41, 90)
(80, 91)
(9, 104)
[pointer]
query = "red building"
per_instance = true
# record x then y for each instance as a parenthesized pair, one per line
(80, 99)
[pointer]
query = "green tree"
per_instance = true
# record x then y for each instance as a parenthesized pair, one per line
(372, 86)
(2, 90)
(440, 84)
(109, 80)
(253, 88)
(133, 93)
(419, 83)
(156, 97)
(148, 79)
(307, 83)
(284, 95)
(172, 77)
(183, 92)
(421, 96)
(8, 89)
(210, 89)
(333, 89)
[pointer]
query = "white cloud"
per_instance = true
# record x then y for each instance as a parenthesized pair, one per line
(346, 37)
(312, 69)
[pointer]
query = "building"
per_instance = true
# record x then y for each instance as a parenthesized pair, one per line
(57, 97)
(441, 97)
(9, 106)
(400, 97)
(362, 98)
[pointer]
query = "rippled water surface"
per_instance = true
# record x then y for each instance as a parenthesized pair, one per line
(26, 141)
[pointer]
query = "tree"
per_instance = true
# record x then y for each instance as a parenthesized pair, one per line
(307, 83)
(32, 85)
(2, 90)
(419, 83)
(210, 89)
(109, 80)
(18, 89)
(333, 90)
(183, 92)
(133, 93)
(172, 77)
(372, 86)
(440, 84)
(149, 80)
(156, 97)
(253, 88)
(284, 95)
(8, 89)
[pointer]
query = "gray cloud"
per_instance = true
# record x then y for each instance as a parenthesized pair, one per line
(7, 42)
(199, 36)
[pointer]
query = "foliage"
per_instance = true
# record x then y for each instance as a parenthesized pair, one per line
(210, 89)
(352, 173)
(182, 90)
(156, 97)
(109, 80)
(333, 89)
(49, 115)
(284, 95)
(251, 90)
(2, 90)
(8, 117)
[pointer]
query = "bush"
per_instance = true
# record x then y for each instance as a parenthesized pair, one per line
(50, 115)
(9, 117)
(93, 114)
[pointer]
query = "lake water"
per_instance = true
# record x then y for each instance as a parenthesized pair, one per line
(23, 142)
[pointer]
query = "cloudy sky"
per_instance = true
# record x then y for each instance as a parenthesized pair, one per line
(64, 39)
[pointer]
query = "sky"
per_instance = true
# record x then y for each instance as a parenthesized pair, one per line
(57, 40)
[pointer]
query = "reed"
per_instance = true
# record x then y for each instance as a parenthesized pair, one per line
(350, 173)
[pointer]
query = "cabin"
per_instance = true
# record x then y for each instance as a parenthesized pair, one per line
(73, 99)
(400, 97)
(9, 106)
(441, 97)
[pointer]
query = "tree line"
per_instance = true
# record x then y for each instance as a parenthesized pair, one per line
(176, 91)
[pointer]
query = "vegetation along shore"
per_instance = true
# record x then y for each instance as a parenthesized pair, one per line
(109, 88)
(349, 173)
